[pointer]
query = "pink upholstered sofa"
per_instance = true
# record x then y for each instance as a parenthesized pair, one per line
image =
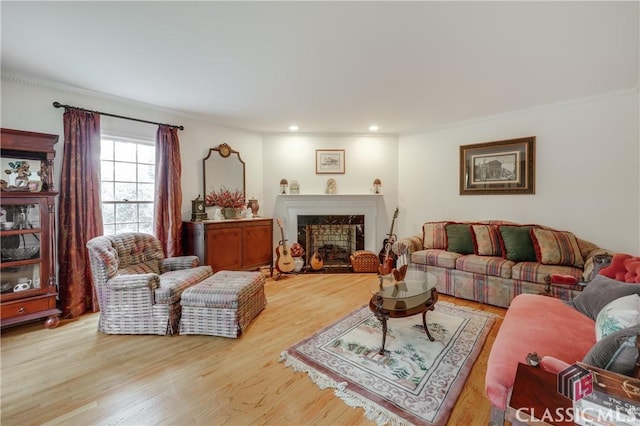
(556, 330)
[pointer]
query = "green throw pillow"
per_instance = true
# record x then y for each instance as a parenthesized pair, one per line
(517, 244)
(459, 238)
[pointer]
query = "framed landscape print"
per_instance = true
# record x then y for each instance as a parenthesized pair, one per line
(329, 161)
(502, 167)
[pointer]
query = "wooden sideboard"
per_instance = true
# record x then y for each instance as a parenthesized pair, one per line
(243, 244)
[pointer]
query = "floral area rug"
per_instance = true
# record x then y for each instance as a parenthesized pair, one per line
(416, 382)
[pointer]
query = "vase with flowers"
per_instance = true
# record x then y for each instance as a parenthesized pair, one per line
(230, 201)
(297, 251)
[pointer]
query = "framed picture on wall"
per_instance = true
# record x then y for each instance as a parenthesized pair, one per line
(329, 161)
(502, 167)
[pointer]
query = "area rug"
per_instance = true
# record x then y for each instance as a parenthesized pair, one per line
(416, 382)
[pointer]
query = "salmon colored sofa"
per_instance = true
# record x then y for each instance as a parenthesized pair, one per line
(552, 328)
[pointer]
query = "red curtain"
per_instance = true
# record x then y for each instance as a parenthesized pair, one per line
(80, 213)
(167, 215)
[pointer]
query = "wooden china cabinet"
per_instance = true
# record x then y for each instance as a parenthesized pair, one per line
(242, 244)
(27, 229)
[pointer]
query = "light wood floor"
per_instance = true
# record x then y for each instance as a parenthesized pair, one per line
(75, 375)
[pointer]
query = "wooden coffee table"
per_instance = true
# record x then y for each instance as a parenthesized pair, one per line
(415, 294)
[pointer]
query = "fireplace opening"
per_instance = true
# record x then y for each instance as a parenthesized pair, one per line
(335, 237)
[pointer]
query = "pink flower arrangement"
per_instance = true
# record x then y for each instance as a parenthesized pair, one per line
(297, 250)
(226, 198)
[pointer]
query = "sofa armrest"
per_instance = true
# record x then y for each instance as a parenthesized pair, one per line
(133, 282)
(412, 244)
(178, 263)
(594, 262)
(553, 364)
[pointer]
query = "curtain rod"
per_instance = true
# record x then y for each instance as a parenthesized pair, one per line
(59, 105)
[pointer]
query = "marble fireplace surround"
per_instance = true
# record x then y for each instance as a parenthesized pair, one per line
(293, 206)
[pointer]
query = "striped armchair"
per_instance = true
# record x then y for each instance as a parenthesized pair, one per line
(138, 288)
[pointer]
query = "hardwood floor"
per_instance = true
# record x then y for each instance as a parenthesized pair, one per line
(75, 375)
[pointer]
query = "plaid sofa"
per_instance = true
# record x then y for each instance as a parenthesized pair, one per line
(138, 288)
(495, 279)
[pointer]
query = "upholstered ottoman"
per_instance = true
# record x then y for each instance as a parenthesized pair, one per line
(223, 304)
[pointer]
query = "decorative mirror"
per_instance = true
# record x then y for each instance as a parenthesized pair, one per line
(223, 168)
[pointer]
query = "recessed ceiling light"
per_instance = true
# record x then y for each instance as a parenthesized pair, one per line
(373, 128)
(293, 128)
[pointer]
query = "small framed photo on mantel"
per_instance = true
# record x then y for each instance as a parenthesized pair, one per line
(502, 167)
(329, 161)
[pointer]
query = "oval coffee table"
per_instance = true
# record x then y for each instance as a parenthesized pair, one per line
(415, 294)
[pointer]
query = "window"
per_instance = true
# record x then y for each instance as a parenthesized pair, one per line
(127, 169)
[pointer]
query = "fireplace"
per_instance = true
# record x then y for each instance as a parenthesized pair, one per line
(334, 237)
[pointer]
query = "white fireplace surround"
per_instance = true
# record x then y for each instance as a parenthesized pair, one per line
(324, 205)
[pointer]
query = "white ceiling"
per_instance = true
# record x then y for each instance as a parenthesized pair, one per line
(328, 66)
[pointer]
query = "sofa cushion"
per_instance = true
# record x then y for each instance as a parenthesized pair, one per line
(633, 271)
(486, 240)
(149, 267)
(435, 257)
(556, 247)
(459, 238)
(620, 313)
(537, 272)
(599, 292)
(488, 265)
(516, 243)
(434, 235)
(173, 283)
(616, 352)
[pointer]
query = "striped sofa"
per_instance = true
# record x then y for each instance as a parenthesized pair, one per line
(485, 261)
(138, 288)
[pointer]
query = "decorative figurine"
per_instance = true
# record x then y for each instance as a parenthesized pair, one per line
(331, 187)
(294, 187)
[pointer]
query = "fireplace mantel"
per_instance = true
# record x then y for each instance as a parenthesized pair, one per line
(294, 205)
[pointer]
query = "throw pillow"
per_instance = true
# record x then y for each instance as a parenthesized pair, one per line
(556, 247)
(459, 238)
(486, 240)
(617, 352)
(434, 235)
(617, 269)
(599, 292)
(633, 271)
(621, 313)
(516, 243)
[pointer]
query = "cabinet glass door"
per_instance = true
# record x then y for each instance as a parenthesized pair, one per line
(20, 248)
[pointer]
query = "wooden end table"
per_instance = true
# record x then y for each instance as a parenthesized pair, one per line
(535, 397)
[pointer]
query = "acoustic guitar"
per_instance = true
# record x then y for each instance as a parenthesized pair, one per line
(387, 257)
(284, 260)
(316, 260)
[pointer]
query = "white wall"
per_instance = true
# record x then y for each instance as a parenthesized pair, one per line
(587, 171)
(367, 157)
(28, 106)
(587, 163)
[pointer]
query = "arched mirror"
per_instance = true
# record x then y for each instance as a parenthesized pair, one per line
(223, 167)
